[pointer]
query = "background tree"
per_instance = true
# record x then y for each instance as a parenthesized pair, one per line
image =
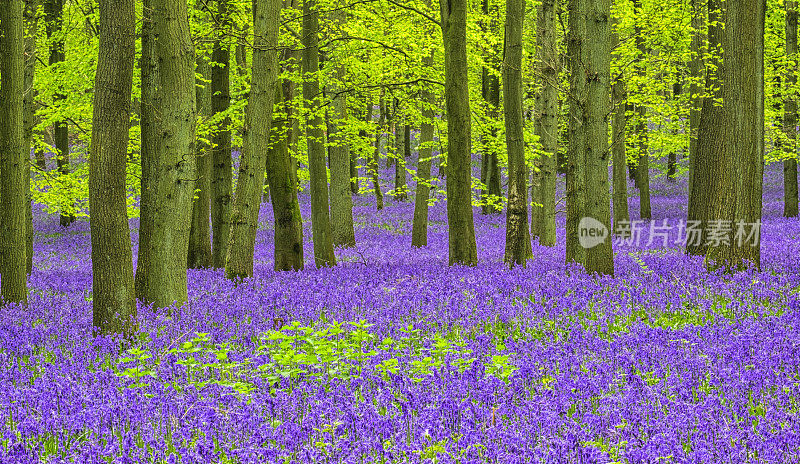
(200, 253)
(461, 224)
(619, 140)
(13, 159)
(642, 159)
(113, 303)
(490, 92)
(790, 197)
(222, 171)
(29, 108)
(54, 19)
(320, 214)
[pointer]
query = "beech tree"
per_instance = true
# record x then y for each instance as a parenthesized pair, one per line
(320, 213)
(461, 224)
(168, 154)
(13, 159)
(250, 184)
(546, 109)
(588, 198)
(790, 197)
(113, 303)
(518, 240)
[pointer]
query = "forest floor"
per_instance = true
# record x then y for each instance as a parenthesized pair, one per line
(396, 357)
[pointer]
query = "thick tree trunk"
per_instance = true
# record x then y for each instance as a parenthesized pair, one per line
(518, 240)
(738, 189)
(114, 304)
(543, 182)
(283, 190)
(54, 10)
(705, 164)
(790, 200)
(29, 109)
(643, 155)
(419, 230)
(618, 145)
(222, 175)
(588, 209)
(341, 195)
(250, 183)
(168, 162)
(320, 214)
(13, 159)
(460, 221)
(200, 250)
(374, 158)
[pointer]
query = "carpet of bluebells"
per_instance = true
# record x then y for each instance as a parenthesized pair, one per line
(392, 356)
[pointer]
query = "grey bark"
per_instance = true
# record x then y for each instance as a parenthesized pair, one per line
(222, 171)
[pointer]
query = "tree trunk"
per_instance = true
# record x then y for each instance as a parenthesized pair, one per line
(283, 190)
(618, 144)
(54, 10)
(696, 73)
(419, 230)
(114, 304)
(518, 240)
(738, 190)
(222, 175)
(373, 161)
(320, 214)
(490, 91)
(710, 137)
(588, 209)
(790, 199)
(543, 182)
(643, 156)
(403, 149)
(672, 158)
(168, 162)
(29, 115)
(460, 221)
(200, 250)
(250, 183)
(13, 160)
(341, 195)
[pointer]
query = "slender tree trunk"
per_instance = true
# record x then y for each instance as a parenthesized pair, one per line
(490, 91)
(200, 250)
(222, 175)
(672, 158)
(460, 221)
(588, 209)
(391, 137)
(710, 137)
(54, 10)
(643, 157)
(403, 149)
(283, 190)
(518, 240)
(168, 162)
(250, 183)
(543, 182)
(419, 231)
(373, 161)
(697, 75)
(13, 160)
(341, 195)
(738, 190)
(618, 144)
(320, 214)
(31, 32)
(790, 200)
(114, 304)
